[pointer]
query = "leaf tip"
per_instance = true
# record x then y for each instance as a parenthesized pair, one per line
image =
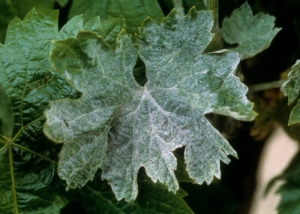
(147, 22)
(192, 10)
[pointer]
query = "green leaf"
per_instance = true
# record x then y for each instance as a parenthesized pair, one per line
(134, 11)
(28, 160)
(41, 6)
(253, 34)
(290, 189)
(97, 197)
(119, 126)
(109, 29)
(291, 89)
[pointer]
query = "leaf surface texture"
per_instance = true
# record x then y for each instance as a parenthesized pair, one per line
(119, 126)
(291, 88)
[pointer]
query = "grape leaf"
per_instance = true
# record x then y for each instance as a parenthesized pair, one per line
(9, 9)
(28, 160)
(134, 11)
(290, 189)
(291, 89)
(41, 6)
(97, 197)
(253, 34)
(120, 126)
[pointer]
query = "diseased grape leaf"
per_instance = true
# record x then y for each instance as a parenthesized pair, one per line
(253, 34)
(290, 189)
(119, 126)
(134, 11)
(291, 88)
(28, 160)
(97, 197)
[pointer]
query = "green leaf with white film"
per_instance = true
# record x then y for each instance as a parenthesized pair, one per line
(119, 126)
(290, 88)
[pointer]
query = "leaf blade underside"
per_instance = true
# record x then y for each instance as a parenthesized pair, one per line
(142, 126)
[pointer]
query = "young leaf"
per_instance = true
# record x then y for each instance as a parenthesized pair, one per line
(28, 161)
(97, 197)
(134, 11)
(253, 34)
(120, 126)
(291, 89)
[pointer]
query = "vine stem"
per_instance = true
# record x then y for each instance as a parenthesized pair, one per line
(217, 41)
(213, 5)
(266, 86)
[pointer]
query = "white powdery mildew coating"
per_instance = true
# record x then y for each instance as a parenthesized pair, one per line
(142, 126)
(291, 89)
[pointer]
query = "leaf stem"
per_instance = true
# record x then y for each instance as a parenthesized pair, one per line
(213, 5)
(3, 141)
(13, 183)
(266, 86)
(217, 41)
